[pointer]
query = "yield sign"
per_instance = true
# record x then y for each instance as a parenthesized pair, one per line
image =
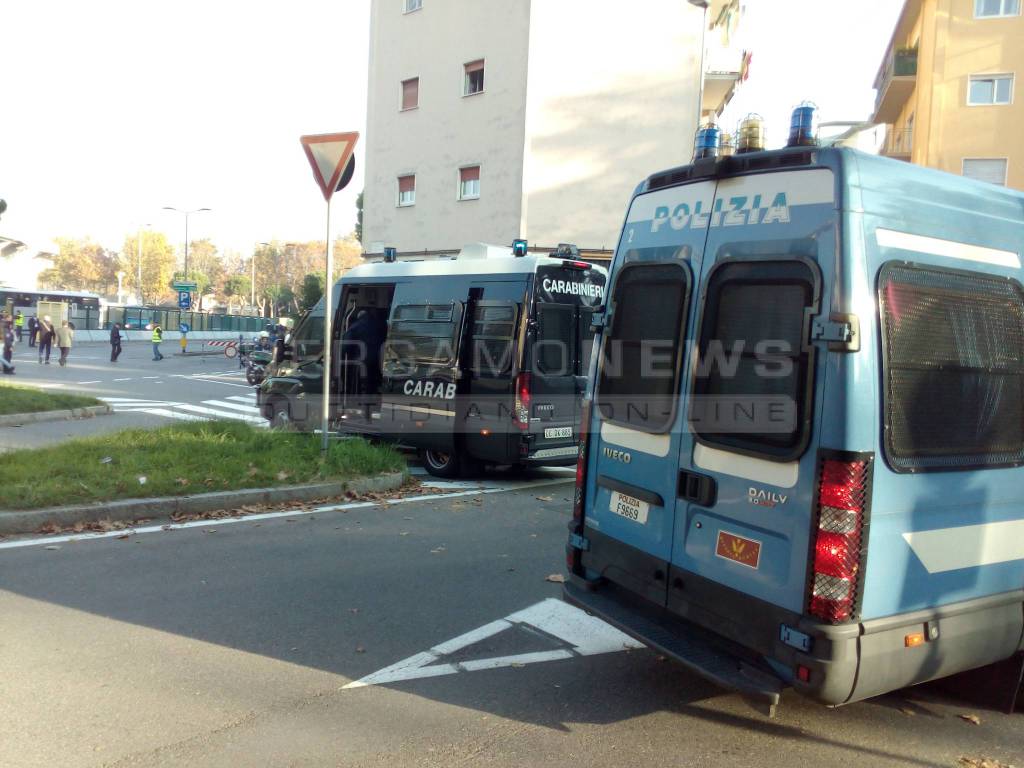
(328, 155)
(579, 634)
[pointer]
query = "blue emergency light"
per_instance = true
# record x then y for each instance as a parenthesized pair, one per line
(803, 126)
(519, 247)
(707, 142)
(390, 255)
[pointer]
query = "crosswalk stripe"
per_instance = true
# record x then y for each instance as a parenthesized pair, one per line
(173, 414)
(221, 414)
(250, 409)
(242, 398)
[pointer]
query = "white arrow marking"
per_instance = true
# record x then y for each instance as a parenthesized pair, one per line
(587, 635)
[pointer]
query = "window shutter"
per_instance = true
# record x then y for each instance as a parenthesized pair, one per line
(410, 93)
(406, 184)
(991, 170)
(470, 174)
(475, 66)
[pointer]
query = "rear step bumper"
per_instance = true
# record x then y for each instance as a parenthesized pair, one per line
(689, 647)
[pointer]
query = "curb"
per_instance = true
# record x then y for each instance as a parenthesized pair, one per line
(17, 419)
(127, 510)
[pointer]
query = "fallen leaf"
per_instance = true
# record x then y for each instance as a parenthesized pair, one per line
(123, 536)
(252, 471)
(282, 475)
(181, 480)
(974, 719)
(544, 498)
(353, 610)
(49, 528)
(908, 711)
(981, 762)
(556, 578)
(517, 665)
(52, 546)
(360, 649)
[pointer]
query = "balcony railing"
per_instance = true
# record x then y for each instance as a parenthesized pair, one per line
(899, 144)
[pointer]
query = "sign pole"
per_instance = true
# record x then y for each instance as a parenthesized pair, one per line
(328, 337)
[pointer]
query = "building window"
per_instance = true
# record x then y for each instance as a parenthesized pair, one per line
(992, 169)
(469, 183)
(408, 6)
(474, 78)
(990, 89)
(407, 190)
(410, 93)
(989, 8)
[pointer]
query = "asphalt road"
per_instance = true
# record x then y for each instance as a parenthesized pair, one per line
(238, 643)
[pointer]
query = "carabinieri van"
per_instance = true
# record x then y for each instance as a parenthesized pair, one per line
(476, 360)
(802, 462)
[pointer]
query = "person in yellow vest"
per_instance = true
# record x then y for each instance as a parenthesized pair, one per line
(158, 336)
(65, 335)
(19, 324)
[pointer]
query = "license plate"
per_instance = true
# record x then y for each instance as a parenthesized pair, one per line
(629, 507)
(558, 432)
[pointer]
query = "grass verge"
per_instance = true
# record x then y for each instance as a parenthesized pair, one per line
(17, 399)
(198, 457)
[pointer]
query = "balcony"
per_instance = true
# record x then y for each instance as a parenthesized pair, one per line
(724, 69)
(899, 144)
(895, 83)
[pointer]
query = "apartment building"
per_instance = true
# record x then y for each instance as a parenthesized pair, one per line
(492, 120)
(948, 85)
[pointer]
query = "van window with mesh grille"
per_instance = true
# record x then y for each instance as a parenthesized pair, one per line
(422, 334)
(640, 364)
(953, 348)
(753, 378)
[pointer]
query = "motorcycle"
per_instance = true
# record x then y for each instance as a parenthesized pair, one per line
(256, 365)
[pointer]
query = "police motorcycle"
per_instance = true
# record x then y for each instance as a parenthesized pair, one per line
(257, 355)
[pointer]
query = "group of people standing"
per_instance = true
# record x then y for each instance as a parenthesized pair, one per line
(42, 334)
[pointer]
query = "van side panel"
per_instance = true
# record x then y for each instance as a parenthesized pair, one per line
(938, 537)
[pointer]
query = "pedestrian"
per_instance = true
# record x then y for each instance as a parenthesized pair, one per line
(19, 324)
(158, 336)
(5, 361)
(33, 326)
(115, 342)
(65, 335)
(44, 338)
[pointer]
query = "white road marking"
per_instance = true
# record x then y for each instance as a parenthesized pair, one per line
(250, 398)
(250, 409)
(40, 540)
(171, 414)
(151, 377)
(122, 379)
(968, 546)
(221, 414)
(89, 382)
(587, 636)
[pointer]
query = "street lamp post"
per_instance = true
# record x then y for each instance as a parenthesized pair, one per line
(186, 214)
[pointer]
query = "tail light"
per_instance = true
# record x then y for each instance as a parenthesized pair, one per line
(838, 552)
(521, 412)
(581, 464)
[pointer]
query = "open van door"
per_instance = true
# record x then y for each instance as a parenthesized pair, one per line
(420, 374)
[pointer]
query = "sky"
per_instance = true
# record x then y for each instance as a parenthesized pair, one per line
(112, 109)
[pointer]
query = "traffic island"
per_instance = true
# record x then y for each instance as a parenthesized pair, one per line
(181, 470)
(26, 405)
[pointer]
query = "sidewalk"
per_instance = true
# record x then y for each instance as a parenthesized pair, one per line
(47, 433)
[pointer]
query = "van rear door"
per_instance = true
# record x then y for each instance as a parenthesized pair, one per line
(564, 300)
(637, 429)
(755, 393)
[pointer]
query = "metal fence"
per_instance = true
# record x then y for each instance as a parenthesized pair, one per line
(131, 318)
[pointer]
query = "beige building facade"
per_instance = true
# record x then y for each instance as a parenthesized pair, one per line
(948, 88)
(492, 120)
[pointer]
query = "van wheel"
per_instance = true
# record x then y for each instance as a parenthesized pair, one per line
(281, 418)
(441, 463)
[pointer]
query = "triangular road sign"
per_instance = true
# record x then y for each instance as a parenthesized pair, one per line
(584, 634)
(328, 155)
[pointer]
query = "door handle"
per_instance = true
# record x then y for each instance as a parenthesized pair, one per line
(699, 489)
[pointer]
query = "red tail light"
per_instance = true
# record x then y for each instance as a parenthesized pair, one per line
(522, 404)
(842, 502)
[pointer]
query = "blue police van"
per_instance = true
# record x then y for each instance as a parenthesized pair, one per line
(803, 449)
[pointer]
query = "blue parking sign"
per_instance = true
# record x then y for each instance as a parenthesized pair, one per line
(184, 300)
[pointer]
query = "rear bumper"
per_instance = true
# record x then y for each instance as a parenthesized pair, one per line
(733, 638)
